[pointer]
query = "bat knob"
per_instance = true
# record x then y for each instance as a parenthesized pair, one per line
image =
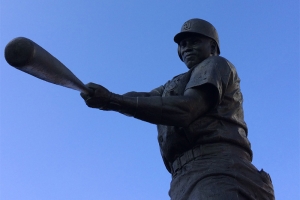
(19, 51)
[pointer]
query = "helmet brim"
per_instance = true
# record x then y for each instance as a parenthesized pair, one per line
(182, 35)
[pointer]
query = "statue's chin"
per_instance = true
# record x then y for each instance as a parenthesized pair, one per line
(191, 64)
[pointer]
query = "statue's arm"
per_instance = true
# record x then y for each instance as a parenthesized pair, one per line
(171, 110)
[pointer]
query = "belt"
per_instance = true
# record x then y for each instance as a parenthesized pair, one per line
(201, 150)
(185, 158)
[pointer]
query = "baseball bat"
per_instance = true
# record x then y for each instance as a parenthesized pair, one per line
(27, 56)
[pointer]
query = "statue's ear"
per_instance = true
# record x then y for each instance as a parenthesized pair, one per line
(179, 52)
(214, 48)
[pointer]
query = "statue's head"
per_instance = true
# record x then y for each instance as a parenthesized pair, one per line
(198, 36)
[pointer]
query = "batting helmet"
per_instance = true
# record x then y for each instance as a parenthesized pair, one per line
(198, 27)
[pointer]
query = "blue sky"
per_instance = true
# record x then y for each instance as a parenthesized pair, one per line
(54, 147)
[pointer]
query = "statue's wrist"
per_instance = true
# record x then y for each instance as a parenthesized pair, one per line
(122, 104)
(114, 102)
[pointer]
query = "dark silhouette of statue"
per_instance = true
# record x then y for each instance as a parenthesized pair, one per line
(199, 116)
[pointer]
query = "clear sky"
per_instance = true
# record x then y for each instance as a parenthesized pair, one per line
(53, 147)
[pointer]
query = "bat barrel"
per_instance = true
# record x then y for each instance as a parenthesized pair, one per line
(19, 52)
(29, 57)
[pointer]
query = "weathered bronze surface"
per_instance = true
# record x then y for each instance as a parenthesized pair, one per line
(199, 115)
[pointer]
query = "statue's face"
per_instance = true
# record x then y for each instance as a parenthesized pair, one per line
(195, 49)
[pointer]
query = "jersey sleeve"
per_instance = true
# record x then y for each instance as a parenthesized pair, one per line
(158, 91)
(215, 71)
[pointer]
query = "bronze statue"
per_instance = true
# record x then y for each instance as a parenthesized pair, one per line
(200, 120)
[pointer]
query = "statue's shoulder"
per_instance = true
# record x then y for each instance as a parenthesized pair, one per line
(214, 67)
(218, 62)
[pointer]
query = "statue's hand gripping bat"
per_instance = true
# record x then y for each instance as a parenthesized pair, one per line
(29, 57)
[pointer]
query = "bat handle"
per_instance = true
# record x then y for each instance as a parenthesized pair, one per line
(86, 90)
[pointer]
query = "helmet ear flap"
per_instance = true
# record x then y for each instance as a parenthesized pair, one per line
(179, 54)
